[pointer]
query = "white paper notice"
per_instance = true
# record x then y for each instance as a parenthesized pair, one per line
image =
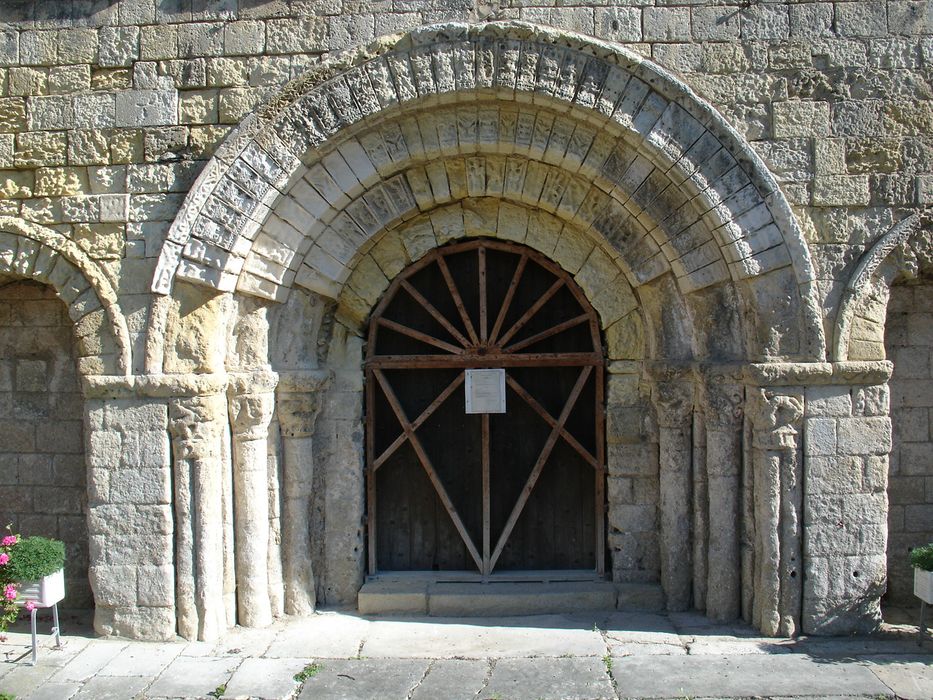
(485, 390)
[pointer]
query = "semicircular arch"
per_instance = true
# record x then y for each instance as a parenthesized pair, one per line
(589, 109)
(31, 251)
(904, 252)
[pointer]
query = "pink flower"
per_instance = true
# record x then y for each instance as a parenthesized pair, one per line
(10, 592)
(8, 540)
(30, 605)
(4, 558)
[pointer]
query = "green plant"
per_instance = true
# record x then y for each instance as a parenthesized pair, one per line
(35, 557)
(607, 662)
(24, 560)
(309, 671)
(7, 696)
(922, 557)
(218, 691)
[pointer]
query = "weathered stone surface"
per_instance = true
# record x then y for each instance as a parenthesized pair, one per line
(679, 233)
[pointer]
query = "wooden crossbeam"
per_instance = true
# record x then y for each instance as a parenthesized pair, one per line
(551, 421)
(529, 314)
(539, 465)
(437, 315)
(458, 300)
(507, 302)
(409, 430)
(418, 422)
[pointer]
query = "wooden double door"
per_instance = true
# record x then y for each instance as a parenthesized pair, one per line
(521, 488)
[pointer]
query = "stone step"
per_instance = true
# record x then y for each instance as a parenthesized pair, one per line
(427, 596)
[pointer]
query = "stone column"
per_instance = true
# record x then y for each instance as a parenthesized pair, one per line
(196, 425)
(298, 400)
(722, 397)
(251, 400)
(701, 514)
(673, 400)
(776, 421)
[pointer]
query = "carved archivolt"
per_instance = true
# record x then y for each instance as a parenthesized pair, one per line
(35, 252)
(901, 253)
(300, 187)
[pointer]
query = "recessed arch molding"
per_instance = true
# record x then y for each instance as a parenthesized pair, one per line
(683, 186)
(903, 250)
(32, 251)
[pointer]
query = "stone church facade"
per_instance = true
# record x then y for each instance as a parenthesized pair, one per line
(205, 206)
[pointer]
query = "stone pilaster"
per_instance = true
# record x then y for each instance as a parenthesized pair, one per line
(778, 498)
(721, 397)
(298, 401)
(251, 402)
(673, 401)
(701, 514)
(130, 524)
(196, 426)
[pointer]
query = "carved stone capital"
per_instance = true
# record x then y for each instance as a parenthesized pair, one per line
(673, 401)
(723, 402)
(250, 415)
(775, 417)
(298, 399)
(195, 425)
(297, 414)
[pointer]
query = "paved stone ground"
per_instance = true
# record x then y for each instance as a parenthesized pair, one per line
(592, 656)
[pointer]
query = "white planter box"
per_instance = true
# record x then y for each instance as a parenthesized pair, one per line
(45, 592)
(923, 585)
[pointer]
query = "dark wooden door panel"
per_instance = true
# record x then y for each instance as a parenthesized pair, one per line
(520, 490)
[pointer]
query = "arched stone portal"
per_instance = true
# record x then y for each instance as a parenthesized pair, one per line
(885, 316)
(667, 221)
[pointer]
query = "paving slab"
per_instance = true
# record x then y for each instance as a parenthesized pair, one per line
(53, 691)
(840, 647)
(748, 675)
(24, 679)
(266, 679)
(723, 645)
(909, 677)
(142, 659)
(628, 634)
(365, 679)
(242, 641)
(453, 679)
(583, 678)
(326, 636)
(89, 661)
(19, 646)
(190, 676)
(454, 639)
(448, 599)
(112, 688)
(645, 649)
(632, 622)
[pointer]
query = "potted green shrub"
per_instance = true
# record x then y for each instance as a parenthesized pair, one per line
(921, 558)
(31, 573)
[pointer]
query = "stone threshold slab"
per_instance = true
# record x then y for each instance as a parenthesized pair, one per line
(425, 595)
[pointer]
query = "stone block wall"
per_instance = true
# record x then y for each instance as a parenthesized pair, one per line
(130, 518)
(107, 114)
(109, 111)
(847, 437)
(909, 344)
(42, 468)
(632, 484)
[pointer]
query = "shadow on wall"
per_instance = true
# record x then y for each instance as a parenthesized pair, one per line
(909, 344)
(43, 487)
